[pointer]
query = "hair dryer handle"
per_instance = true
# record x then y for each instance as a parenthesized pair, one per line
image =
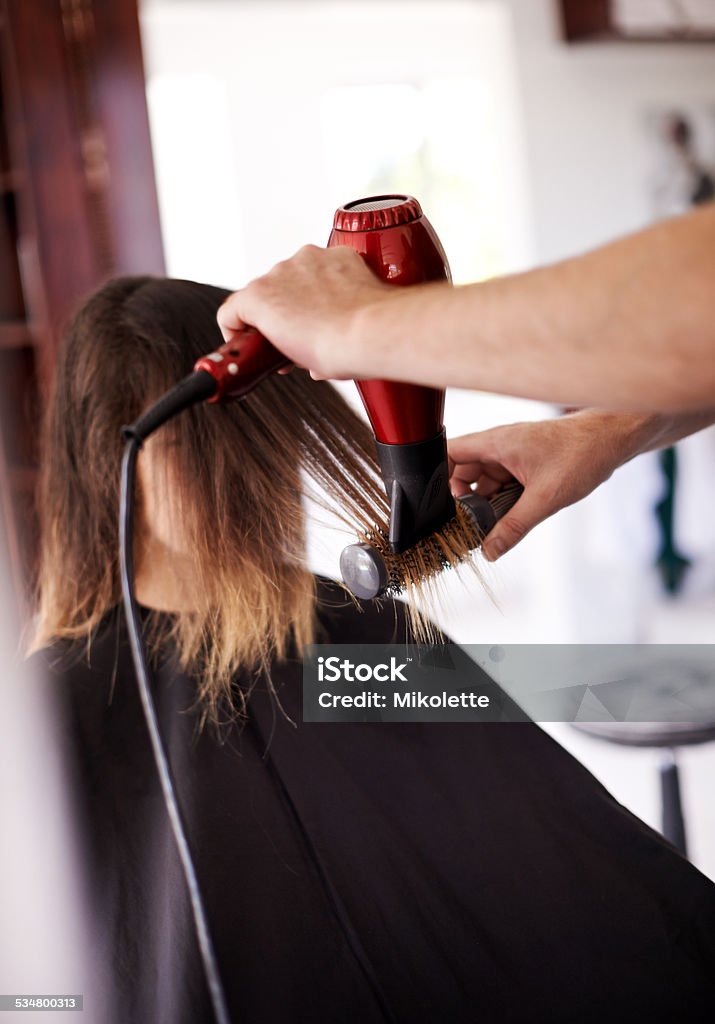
(241, 364)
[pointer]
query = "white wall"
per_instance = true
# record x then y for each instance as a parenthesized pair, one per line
(584, 109)
(239, 95)
(589, 166)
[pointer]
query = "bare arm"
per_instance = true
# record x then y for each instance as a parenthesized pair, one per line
(628, 326)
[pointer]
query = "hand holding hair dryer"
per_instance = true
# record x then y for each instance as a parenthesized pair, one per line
(401, 247)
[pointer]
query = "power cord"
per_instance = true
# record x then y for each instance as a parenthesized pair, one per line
(134, 435)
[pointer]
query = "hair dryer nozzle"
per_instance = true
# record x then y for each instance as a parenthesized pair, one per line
(416, 479)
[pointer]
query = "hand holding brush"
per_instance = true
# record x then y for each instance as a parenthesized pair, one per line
(558, 461)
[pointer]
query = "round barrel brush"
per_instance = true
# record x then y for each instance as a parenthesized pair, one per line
(371, 568)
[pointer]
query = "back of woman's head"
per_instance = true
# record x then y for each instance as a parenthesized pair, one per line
(232, 473)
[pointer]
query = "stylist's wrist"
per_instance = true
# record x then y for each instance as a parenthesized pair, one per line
(626, 435)
(367, 346)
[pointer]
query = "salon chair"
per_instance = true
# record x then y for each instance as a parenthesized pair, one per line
(668, 737)
(681, 690)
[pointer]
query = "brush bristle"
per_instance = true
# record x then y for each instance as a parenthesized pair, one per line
(416, 574)
(447, 548)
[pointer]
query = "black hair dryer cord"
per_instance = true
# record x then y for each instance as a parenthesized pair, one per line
(126, 561)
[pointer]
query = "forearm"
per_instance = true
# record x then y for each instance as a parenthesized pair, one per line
(624, 435)
(628, 326)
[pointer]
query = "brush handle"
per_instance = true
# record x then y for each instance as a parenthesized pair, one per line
(487, 512)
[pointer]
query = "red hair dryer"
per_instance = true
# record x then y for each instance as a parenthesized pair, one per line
(400, 246)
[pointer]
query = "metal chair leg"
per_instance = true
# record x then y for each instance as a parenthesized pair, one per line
(671, 803)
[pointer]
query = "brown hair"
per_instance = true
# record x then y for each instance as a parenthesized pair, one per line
(235, 470)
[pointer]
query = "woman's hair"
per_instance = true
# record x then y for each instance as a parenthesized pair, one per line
(235, 472)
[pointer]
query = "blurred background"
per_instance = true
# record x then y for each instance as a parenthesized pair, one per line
(211, 139)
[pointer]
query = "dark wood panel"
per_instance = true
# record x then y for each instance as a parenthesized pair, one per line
(584, 19)
(10, 181)
(4, 151)
(15, 334)
(12, 302)
(77, 204)
(19, 406)
(21, 535)
(121, 105)
(594, 21)
(42, 125)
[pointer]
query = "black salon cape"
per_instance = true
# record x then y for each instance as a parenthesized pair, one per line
(365, 873)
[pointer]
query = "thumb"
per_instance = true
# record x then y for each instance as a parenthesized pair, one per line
(530, 510)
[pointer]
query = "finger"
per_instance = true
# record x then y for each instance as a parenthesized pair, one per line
(487, 485)
(228, 317)
(466, 474)
(463, 477)
(473, 447)
(530, 510)
(472, 470)
(465, 471)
